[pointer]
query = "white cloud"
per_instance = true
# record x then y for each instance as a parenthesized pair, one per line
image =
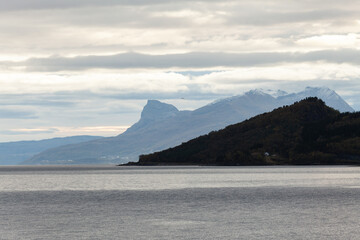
(111, 83)
(105, 27)
(350, 40)
(286, 72)
(183, 61)
(159, 83)
(71, 64)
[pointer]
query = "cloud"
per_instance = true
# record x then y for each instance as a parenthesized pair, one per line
(67, 130)
(73, 90)
(259, 17)
(29, 131)
(350, 40)
(65, 4)
(60, 4)
(118, 98)
(86, 63)
(192, 60)
(98, 27)
(49, 100)
(14, 114)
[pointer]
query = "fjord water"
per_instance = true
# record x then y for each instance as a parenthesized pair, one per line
(108, 202)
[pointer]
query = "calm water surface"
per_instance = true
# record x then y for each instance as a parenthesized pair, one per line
(107, 202)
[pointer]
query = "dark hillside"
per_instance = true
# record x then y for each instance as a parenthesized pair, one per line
(307, 132)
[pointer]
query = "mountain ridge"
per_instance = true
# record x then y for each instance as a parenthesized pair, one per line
(307, 132)
(172, 127)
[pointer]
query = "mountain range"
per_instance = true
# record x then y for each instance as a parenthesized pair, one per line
(307, 132)
(162, 126)
(13, 153)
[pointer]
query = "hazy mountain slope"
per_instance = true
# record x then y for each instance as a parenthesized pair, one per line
(12, 153)
(307, 132)
(162, 126)
(151, 134)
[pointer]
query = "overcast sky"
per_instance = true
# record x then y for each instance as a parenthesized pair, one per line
(70, 67)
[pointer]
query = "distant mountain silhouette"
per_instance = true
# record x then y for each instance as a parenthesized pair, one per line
(13, 153)
(307, 132)
(162, 126)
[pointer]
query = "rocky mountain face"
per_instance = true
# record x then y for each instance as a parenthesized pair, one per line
(162, 126)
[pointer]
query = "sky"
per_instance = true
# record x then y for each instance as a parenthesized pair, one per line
(75, 67)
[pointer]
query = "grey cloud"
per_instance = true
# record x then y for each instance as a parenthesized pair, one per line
(110, 17)
(142, 13)
(13, 114)
(195, 73)
(35, 100)
(264, 18)
(264, 13)
(193, 92)
(54, 29)
(45, 4)
(29, 132)
(60, 4)
(333, 56)
(191, 60)
(23, 101)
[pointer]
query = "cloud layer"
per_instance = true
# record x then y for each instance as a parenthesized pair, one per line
(193, 60)
(87, 64)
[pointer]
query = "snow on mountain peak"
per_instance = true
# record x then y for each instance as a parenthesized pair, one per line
(257, 91)
(322, 92)
(251, 93)
(275, 93)
(330, 97)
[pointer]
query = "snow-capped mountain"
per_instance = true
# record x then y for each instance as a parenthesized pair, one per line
(330, 97)
(162, 126)
(275, 93)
